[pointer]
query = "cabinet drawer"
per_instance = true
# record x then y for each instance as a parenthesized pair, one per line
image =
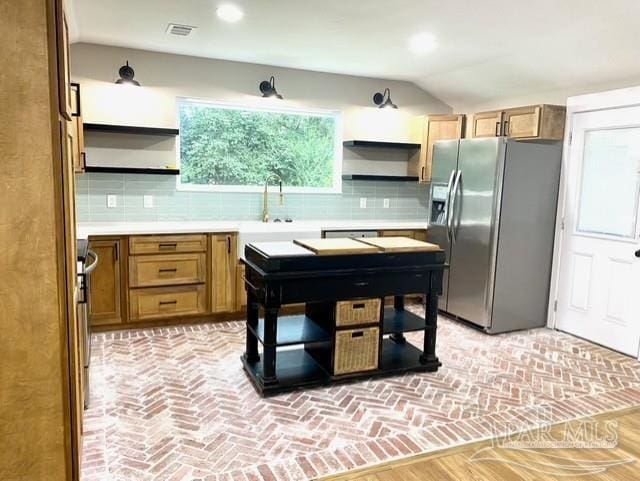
(159, 302)
(166, 270)
(166, 244)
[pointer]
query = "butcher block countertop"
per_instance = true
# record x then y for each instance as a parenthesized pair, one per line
(336, 247)
(365, 245)
(399, 244)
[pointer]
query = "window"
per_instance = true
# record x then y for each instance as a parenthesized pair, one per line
(226, 147)
(610, 181)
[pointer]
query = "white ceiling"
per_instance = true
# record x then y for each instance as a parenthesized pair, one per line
(488, 49)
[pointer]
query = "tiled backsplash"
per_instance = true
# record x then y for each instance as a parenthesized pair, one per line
(407, 201)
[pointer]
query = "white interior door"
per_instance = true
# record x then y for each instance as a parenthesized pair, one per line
(599, 283)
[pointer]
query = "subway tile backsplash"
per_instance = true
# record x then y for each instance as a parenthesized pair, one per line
(407, 201)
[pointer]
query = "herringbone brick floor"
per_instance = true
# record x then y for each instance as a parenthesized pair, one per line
(173, 404)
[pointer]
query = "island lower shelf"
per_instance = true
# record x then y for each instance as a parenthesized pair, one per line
(296, 368)
(302, 329)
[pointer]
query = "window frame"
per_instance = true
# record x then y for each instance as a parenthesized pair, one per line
(336, 187)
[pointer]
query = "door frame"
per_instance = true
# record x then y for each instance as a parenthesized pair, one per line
(608, 100)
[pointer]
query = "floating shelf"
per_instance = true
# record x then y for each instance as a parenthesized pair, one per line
(396, 321)
(131, 170)
(294, 330)
(383, 178)
(129, 129)
(372, 144)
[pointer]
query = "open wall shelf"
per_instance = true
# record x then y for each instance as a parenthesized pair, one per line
(384, 178)
(131, 170)
(372, 144)
(129, 129)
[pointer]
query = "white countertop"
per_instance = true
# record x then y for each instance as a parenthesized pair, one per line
(87, 229)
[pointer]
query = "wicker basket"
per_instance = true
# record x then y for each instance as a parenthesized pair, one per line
(356, 350)
(364, 311)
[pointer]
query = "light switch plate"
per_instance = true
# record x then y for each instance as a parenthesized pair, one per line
(147, 201)
(385, 203)
(363, 202)
(112, 201)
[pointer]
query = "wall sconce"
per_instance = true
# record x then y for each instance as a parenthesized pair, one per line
(379, 100)
(126, 76)
(268, 88)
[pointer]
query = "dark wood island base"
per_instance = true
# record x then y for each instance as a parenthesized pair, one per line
(301, 351)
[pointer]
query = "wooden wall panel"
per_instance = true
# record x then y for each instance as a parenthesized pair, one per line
(35, 438)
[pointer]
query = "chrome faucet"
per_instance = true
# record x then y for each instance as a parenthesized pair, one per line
(265, 200)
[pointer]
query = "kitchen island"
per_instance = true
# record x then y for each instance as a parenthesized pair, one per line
(346, 331)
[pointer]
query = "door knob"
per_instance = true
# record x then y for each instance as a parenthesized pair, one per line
(638, 253)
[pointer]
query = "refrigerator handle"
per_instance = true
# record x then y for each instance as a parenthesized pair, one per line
(447, 205)
(453, 206)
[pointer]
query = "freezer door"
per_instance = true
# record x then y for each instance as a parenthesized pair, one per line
(475, 201)
(444, 168)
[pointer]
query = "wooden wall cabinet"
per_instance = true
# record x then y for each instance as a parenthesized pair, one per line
(533, 122)
(487, 124)
(106, 283)
(224, 261)
(434, 128)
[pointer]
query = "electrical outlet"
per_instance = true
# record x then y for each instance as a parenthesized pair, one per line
(112, 201)
(385, 203)
(363, 202)
(147, 201)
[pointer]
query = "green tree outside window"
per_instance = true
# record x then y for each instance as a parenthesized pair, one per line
(235, 146)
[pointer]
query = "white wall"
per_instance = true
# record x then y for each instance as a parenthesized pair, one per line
(165, 77)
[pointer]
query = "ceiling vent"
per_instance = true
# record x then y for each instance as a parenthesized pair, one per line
(179, 30)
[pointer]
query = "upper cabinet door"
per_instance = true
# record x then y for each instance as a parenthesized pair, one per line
(487, 124)
(522, 122)
(64, 75)
(438, 127)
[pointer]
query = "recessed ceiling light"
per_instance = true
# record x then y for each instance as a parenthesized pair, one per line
(229, 13)
(422, 43)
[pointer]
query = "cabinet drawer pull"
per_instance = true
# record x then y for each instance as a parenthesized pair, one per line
(172, 245)
(361, 305)
(422, 173)
(357, 334)
(506, 128)
(360, 284)
(497, 129)
(166, 303)
(167, 269)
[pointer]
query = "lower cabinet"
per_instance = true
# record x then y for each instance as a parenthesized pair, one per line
(105, 305)
(146, 278)
(224, 262)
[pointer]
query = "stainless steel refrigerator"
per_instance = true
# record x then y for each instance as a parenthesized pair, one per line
(493, 210)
